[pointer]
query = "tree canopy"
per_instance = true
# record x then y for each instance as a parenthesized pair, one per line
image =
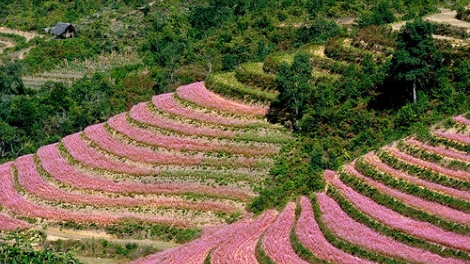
(416, 57)
(294, 87)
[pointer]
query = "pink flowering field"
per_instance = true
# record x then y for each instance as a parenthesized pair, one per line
(166, 103)
(197, 93)
(373, 160)
(348, 229)
(276, 240)
(413, 201)
(391, 218)
(462, 175)
(312, 238)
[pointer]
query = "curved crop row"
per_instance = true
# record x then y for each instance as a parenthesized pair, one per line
(90, 157)
(8, 223)
(445, 152)
(228, 85)
(374, 161)
(54, 164)
(98, 135)
(462, 175)
(409, 187)
(391, 218)
(10, 199)
(142, 114)
(31, 180)
(422, 173)
(350, 230)
(241, 248)
(119, 124)
(166, 103)
(197, 93)
(460, 138)
(413, 201)
(276, 240)
(197, 250)
(312, 238)
(461, 120)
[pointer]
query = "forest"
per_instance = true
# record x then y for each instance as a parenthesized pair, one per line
(374, 85)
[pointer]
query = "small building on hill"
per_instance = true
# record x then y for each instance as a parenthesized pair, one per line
(63, 30)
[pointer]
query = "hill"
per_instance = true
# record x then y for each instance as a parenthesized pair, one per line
(406, 203)
(165, 170)
(100, 166)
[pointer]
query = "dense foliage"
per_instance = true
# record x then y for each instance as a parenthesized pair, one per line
(30, 118)
(366, 107)
(17, 247)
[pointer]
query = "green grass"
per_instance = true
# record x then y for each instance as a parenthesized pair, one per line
(226, 84)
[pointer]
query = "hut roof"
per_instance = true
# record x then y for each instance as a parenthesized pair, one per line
(59, 28)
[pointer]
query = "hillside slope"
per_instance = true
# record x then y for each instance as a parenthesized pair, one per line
(179, 163)
(409, 202)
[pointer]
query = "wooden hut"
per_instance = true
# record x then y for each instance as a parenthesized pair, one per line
(63, 30)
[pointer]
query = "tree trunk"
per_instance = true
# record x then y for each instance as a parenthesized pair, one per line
(414, 91)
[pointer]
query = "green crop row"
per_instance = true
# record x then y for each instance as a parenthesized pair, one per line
(227, 85)
(252, 75)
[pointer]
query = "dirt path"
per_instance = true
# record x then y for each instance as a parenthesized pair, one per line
(445, 16)
(22, 52)
(26, 34)
(5, 45)
(448, 16)
(55, 234)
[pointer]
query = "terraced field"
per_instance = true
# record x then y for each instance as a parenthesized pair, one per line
(193, 159)
(409, 202)
(188, 159)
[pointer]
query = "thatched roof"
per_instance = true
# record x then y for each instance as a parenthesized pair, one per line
(59, 28)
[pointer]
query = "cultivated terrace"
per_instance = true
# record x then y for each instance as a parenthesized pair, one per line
(245, 131)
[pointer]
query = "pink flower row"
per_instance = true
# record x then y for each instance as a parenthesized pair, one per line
(463, 175)
(11, 200)
(8, 223)
(197, 93)
(375, 161)
(462, 120)
(276, 240)
(348, 229)
(312, 238)
(413, 201)
(440, 150)
(461, 138)
(391, 218)
(166, 103)
(242, 247)
(142, 114)
(119, 124)
(197, 250)
(30, 179)
(54, 164)
(99, 135)
(88, 156)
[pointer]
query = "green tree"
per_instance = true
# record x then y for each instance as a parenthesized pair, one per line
(293, 84)
(416, 57)
(10, 78)
(380, 14)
